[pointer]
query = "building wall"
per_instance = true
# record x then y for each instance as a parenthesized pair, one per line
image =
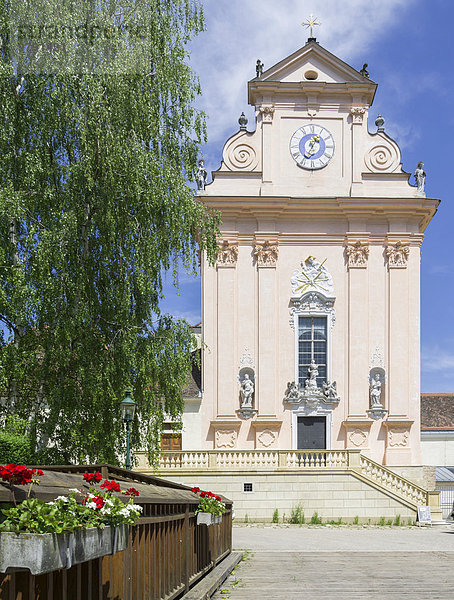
(332, 496)
(438, 448)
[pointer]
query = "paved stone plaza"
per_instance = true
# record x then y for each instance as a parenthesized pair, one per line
(330, 563)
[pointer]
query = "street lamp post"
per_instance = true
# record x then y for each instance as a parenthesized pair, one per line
(128, 408)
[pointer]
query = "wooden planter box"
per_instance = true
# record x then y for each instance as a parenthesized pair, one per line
(43, 553)
(208, 519)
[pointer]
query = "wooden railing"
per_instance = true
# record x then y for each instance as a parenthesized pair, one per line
(168, 552)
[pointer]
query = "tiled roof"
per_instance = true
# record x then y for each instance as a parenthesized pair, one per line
(194, 381)
(437, 411)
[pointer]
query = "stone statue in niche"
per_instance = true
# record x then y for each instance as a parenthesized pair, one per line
(420, 177)
(247, 390)
(375, 391)
(201, 175)
(311, 381)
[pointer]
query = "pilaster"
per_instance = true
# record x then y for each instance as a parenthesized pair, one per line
(357, 253)
(266, 255)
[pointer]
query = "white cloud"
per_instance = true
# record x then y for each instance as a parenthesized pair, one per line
(241, 31)
(438, 359)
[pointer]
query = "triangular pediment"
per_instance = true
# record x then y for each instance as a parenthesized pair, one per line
(309, 60)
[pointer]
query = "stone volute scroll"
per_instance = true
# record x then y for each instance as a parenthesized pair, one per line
(377, 379)
(242, 152)
(247, 383)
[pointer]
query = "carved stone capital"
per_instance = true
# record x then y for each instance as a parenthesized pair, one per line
(357, 254)
(357, 113)
(267, 112)
(228, 254)
(266, 253)
(397, 255)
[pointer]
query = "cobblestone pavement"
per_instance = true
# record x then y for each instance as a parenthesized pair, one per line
(335, 563)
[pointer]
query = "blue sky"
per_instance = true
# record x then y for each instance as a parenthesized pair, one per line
(409, 47)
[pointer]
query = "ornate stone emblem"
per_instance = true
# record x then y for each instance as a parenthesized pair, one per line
(266, 438)
(313, 277)
(377, 358)
(246, 359)
(357, 255)
(398, 437)
(228, 253)
(397, 255)
(358, 438)
(266, 253)
(226, 438)
(312, 303)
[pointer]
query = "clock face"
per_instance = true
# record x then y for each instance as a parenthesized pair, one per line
(312, 146)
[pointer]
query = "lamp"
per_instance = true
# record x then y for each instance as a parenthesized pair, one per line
(128, 409)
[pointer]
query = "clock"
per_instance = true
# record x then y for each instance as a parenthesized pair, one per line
(312, 147)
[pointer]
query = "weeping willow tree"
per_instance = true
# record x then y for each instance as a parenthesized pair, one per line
(98, 139)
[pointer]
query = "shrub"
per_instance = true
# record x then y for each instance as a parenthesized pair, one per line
(276, 516)
(297, 515)
(397, 521)
(315, 519)
(16, 449)
(356, 520)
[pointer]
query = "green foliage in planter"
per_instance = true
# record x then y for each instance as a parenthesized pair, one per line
(66, 514)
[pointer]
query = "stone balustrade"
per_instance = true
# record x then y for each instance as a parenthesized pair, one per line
(290, 460)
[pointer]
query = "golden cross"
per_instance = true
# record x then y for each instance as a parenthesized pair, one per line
(311, 23)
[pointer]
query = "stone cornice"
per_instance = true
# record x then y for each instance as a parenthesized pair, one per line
(274, 207)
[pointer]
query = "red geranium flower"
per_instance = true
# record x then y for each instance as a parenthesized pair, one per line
(113, 486)
(132, 492)
(218, 498)
(195, 490)
(93, 477)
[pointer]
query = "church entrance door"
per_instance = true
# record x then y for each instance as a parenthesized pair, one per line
(311, 433)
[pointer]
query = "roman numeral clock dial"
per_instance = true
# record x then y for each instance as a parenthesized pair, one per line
(312, 147)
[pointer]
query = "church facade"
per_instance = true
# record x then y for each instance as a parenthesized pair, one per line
(310, 316)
